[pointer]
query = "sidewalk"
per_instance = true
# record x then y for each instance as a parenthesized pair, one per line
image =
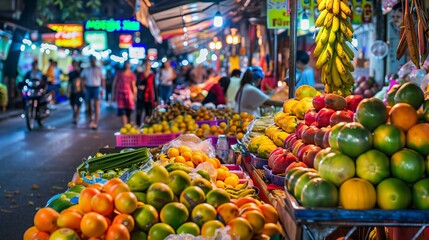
(10, 113)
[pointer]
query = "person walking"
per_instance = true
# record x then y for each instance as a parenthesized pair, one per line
(233, 87)
(166, 78)
(146, 94)
(94, 83)
(124, 91)
(76, 90)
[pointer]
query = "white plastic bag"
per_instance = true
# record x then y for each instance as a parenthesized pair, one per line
(193, 142)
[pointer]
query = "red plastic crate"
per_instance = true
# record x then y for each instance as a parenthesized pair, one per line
(144, 140)
(211, 122)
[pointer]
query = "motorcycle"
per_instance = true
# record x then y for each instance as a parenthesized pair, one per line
(36, 102)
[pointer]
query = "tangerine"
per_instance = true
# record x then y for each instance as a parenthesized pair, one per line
(125, 219)
(183, 149)
(174, 214)
(197, 159)
(102, 203)
(117, 232)
(190, 164)
(98, 186)
(93, 224)
(85, 198)
(231, 181)
(30, 233)
(110, 183)
(69, 219)
(418, 138)
(160, 231)
(190, 228)
(180, 159)
(126, 202)
(209, 228)
(241, 228)
(221, 174)
(117, 189)
(45, 219)
(173, 152)
(187, 155)
(404, 116)
(145, 217)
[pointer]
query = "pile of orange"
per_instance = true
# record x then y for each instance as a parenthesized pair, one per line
(192, 158)
(102, 212)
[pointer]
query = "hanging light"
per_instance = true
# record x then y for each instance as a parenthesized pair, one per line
(218, 20)
(305, 23)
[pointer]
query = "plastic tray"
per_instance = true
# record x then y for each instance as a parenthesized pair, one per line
(258, 162)
(267, 172)
(231, 140)
(144, 140)
(211, 122)
(277, 179)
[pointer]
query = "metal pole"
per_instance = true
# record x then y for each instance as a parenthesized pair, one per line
(275, 52)
(292, 38)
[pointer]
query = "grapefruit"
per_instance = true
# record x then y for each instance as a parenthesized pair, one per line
(404, 116)
(190, 228)
(393, 194)
(373, 166)
(202, 183)
(407, 165)
(192, 196)
(353, 139)
(158, 173)
(209, 228)
(337, 168)
(227, 211)
(139, 181)
(241, 228)
(319, 193)
(410, 93)
(160, 231)
(145, 217)
(159, 194)
(421, 194)
(138, 235)
(178, 180)
(418, 138)
(256, 220)
(202, 213)
(371, 113)
(174, 214)
(217, 197)
(389, 139)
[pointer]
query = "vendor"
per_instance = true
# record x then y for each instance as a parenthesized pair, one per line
(249, 97)
(217, 92)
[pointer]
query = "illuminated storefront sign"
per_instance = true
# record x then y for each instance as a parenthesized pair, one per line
(125, 41)
(97, 40)
(137, 52)
(68, 35)
(278, 14)
(113, 25)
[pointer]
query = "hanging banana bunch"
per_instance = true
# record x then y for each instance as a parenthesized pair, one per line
(333, 54)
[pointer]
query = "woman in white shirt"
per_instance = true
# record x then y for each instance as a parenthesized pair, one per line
(249, 97)
(166, 77)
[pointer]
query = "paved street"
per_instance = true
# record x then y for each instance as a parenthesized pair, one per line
(38, 164)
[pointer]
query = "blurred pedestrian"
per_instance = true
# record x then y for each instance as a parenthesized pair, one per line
(109, 81)
(304, 73)
(53, 74)
(94, 82)
(76, 90)
(199, 74)
(249, 97)
(166, 78)
(34, 73)
(217, 92)
(146, 94)
(233, 87)
(124, 91)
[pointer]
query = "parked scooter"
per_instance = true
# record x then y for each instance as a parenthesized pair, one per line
(36, 101)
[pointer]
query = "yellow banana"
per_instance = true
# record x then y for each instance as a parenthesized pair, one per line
(321, 18)
(347, 63)
(319, 34)
(318, 49)
(323, 77)
(348, 50)
(325, 35)
(348, 24)
(332, 37)
(344, 29)
(340, 37)
(336, 79)
(322, 5)
(329, 4)
(336, 7)
(343, 15)
(335, 24)
(345, 8)
(340, 50)
(340, 66)
(346, 2)
(324, 56)
(328, 19)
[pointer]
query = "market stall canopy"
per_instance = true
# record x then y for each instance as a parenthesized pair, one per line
(170, 17)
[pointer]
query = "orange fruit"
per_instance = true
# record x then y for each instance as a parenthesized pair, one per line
(393, 194)
(85, 198)
(212, 162)
(174, 214)
(241, 228)
(187, 155)
(197, 159)
(209, 228)
(270, 213)
(418, 138)
(64, 234)
(240, 202)
(218, 164)
(180, 159)
(227, 211)
(231, 181)
(256, 220)
(173, 152)
(30, 233)
(126, 202)
(183, 149)
(69, 220)
(93, 224)
(404, 116)
(75, 208)
(221, 174)
(102, 203)
(118, 188)
(98, 186)
(110, 183)
(41, 236)
(117, 232)
(220, 184)
(160, 231)
(271, 229)
(190, 228)
(190, 164)
(45, 219)
(202, 213)
(125, 219)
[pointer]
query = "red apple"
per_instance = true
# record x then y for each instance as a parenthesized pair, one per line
(350, 113)
(319, 102)
(302, 149)
(308, 157)
(300, 129)
(295, 165)
(296, 146)
(308, 134)
(323, 116)
(353, 101)
(290, 140)
(326, 138)
(339, 116)
(318, 138)
(310, 116)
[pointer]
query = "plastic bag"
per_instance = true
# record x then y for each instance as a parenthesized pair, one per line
(220, 234)
(193, 142)
(210, 169)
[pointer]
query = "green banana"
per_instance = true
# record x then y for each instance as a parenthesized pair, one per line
(177, 166)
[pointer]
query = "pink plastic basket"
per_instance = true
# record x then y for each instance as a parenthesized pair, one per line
(211, 122)
(144, 140)
(231, 140)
